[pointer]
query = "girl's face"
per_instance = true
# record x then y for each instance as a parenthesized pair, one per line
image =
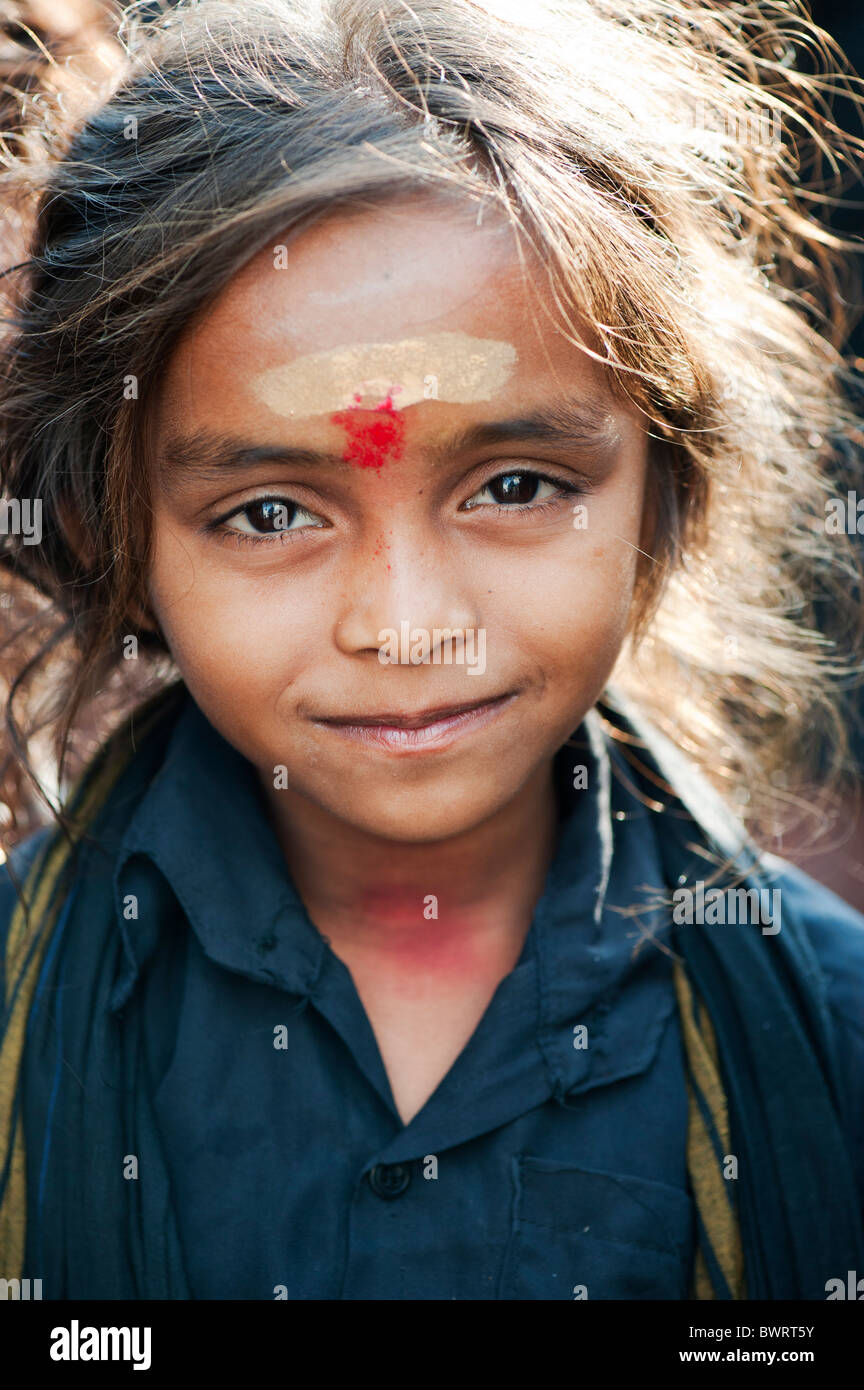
(370, 438)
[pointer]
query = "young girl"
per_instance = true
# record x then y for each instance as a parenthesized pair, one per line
(416, 431)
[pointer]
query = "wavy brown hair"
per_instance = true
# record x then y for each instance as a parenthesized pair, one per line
(669, 163)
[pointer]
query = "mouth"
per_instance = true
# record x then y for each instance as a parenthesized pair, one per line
(411, 732)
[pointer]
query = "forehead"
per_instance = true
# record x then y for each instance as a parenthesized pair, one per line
(411, 292)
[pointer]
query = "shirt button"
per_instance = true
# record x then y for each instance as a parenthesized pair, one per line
(389, 1179)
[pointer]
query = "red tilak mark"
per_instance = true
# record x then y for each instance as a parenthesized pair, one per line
(371, 441)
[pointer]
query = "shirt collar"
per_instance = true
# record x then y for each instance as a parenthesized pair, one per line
(203, 822)
(596, 926)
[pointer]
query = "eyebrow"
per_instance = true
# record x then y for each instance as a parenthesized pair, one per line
(206, 455)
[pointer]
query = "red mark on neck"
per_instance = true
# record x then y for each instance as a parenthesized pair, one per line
(371, 441)
(398, 935)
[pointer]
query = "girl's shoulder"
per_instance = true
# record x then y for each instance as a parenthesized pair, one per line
(835, 931)
(21, 860)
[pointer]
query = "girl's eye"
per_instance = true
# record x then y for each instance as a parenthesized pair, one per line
(518, 490)
(269, 516)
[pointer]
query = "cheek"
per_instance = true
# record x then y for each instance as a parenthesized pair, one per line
(606, 563)
(568, 606)
(226, 631)
(584, 622)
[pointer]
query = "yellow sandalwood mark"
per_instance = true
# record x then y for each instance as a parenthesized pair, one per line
(444, 366)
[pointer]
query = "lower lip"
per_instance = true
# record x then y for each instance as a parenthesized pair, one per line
(428, 738)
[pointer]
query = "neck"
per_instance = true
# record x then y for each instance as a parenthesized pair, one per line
(443, 905)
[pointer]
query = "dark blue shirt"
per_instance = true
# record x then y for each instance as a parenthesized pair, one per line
(550, 1161)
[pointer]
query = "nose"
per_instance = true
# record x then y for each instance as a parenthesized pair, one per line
(407, 581)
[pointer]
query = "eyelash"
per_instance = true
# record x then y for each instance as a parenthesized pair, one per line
(222, 532)
(565, 489)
